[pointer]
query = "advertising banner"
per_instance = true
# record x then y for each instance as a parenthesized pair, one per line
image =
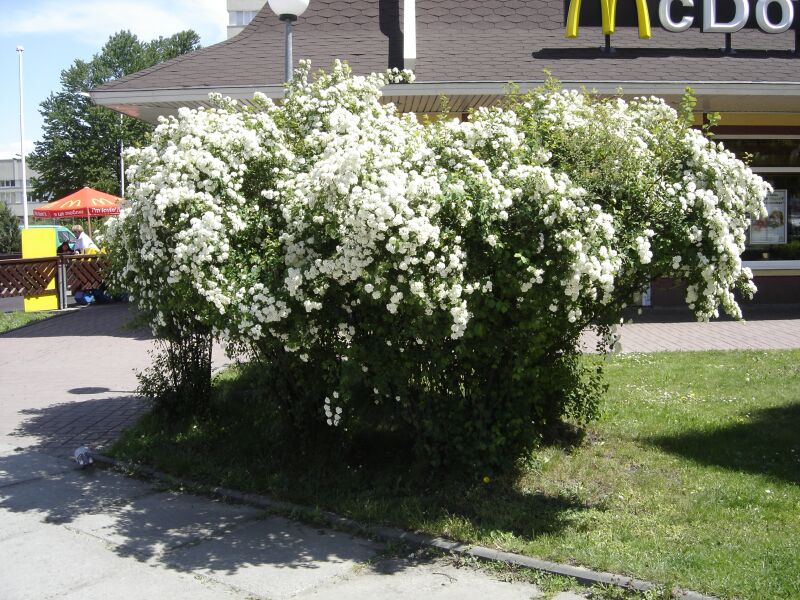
(711, 16)
(772, 228)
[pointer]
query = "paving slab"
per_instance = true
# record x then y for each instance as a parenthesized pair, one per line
(18, 467)
(64, 496)
(53, 562)
(100, 535)
(146, 527)
(16, 524)
(400, 579)
(275, 558)
(67, 561)
(154, 582)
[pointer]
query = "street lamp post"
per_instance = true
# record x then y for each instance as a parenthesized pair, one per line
(121, 158)
(20, 50)
(288, 11)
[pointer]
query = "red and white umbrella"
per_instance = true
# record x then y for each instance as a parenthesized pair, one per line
(85, 203)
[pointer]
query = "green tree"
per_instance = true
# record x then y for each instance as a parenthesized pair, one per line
(9, 230)
(80, 142)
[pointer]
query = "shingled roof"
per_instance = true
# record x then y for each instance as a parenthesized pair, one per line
(470, 49)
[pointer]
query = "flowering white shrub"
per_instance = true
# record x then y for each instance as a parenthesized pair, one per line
(392, 274)
(178, 237)
(678, 198)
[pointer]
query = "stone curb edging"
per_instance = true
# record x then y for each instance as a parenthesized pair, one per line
(386, 534)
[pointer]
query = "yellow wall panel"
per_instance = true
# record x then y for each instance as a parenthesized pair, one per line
(40, 243)
(763, 119)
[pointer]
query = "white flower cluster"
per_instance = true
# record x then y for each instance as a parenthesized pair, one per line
(357, 212)
(701, 193)
(720, 194)
(333, 414)
(513, 187)
(186, 207)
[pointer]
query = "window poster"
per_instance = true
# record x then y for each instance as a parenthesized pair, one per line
(772, 228)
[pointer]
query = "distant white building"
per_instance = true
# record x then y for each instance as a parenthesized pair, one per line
(240, 13)
(11, 185)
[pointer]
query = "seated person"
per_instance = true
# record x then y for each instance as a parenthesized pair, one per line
(83, 243)
(64, 248)
(83, 297)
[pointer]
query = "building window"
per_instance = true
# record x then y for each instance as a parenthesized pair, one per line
(766, 153)
(11, 197)
(776, 236)
(240, 18)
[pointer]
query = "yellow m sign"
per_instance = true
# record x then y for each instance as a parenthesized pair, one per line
(608, 10)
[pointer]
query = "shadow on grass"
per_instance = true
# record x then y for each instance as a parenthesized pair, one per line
(766, 444)
(373, 480)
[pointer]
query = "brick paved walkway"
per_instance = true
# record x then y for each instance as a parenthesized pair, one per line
(69, 380)
(723, 335)
(764, 328)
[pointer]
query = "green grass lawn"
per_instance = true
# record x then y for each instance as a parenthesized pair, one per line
(690, 477)
(13, 320)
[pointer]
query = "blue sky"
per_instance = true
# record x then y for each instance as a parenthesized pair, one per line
(56, 32)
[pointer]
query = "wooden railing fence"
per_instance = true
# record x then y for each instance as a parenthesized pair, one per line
(31, 276)
(84, 271)
(26, 276)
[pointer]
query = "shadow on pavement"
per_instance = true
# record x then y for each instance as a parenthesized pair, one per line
(181, 531)
(112, 320)
(766, 444)
(88, 390)
(60, 428)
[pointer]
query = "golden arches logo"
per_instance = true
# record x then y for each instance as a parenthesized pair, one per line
(608, 10)
(71, 204)
(102, 202)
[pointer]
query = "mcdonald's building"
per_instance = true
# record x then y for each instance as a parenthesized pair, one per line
(740, 57)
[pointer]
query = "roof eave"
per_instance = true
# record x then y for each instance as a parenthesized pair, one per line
(148, 104)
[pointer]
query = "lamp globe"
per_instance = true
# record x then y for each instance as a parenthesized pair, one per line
(288, 9)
